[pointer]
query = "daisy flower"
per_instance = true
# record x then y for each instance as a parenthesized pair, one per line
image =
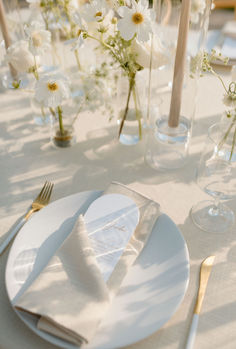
(197, 8)
(52, 90)
(39, 38)
(94, 11)
(136, 20)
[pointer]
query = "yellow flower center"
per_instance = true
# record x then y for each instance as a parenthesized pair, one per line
(98, 14)
(37, 39)
(137, 18)
(79, 32)
(52, 86)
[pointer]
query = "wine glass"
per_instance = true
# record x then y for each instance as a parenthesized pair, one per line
(216, 175)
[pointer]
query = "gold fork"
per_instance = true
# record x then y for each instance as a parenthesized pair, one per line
(39, 202)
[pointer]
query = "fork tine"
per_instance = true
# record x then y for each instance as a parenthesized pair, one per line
(41, 192)
(45, 192)
(49, 193)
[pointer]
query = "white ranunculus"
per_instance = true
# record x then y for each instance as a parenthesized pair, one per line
(52, 90)
(20, 57)
(142, 52)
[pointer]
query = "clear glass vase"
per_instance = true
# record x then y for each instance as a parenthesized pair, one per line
(183, 36)
(130, 109)
(40, 114)
(63, 134)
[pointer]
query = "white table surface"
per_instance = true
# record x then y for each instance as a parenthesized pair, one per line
(27, 160)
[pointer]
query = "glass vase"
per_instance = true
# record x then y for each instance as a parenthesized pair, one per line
(184, 38)
(40, 114)
(130, 109)
(63, 134)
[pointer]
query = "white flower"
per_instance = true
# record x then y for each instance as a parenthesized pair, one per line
(197, 8)
(230, 100)
(39, 38)
(76, 43)
(20, 57)
(52, 89)
(142, 53)
(34, 4)
(136, 20)
(94, 11)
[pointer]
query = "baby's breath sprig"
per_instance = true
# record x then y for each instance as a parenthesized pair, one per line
(205, 61)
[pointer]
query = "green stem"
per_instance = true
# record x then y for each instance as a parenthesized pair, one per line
(137, 112)
(233, 144)
(221, 80)
(103, 43)
(53, 112)
(78, 111)
(77, 59)
(226, 134)
(131, 85)
(59, 110)
(43, 112)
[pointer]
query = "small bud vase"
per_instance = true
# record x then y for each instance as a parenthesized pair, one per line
(130, 109)
(63, 133)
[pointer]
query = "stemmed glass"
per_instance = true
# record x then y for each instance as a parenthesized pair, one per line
(216, 175)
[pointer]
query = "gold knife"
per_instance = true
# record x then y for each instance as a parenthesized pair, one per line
(205, 271)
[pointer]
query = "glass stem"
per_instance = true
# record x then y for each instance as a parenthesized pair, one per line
(214, 211)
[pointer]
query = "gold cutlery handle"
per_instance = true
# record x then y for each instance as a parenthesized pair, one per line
(205, 271)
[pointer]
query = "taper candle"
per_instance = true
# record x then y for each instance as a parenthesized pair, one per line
(180, 58)
(5, 33)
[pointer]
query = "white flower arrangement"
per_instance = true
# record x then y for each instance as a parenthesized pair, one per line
(123, 29)
(125, 34)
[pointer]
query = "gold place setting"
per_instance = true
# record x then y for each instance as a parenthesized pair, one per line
(118, 174)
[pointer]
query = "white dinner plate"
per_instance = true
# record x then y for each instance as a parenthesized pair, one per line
(150, 293)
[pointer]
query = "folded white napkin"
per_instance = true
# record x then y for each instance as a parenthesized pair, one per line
(70, 296)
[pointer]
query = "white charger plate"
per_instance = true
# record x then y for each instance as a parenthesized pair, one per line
(150, 293)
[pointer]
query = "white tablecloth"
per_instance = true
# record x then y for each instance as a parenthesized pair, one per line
(27, 160)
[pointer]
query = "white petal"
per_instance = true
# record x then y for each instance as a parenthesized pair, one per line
(126, 28)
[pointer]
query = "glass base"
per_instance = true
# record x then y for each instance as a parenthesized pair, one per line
(66, 140)
(129, 139)
(207, 217)
(9, 83)
(130, 131)
(168, 146)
